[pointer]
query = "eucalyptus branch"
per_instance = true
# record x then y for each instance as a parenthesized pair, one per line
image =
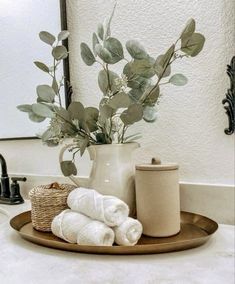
(177, 41)
(88, 135)
(80, 131)
(123, 133)
(107, 71)
(170, 61)
(111, 126)
(54, 78)
(74, 153)
(137, 78)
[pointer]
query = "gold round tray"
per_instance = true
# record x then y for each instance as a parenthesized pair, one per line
(195, 231)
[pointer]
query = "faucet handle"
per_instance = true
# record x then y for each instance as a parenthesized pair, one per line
(15, 179)
(16, 197)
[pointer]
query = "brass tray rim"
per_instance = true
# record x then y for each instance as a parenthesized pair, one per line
(116, 249)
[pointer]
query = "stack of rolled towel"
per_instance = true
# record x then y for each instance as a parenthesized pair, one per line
(96, 219)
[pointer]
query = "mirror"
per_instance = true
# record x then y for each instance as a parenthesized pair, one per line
(21, 21)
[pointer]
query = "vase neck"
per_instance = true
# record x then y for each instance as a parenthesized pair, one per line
(106, 151)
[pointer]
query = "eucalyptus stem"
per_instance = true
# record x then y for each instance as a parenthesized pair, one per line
(160, 77)
(80, 131)
(111, 126)
(107, 71)
(123, 133)
(54, 78)
(74, 153)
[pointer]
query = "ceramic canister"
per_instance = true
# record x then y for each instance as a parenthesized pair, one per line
(157, 198)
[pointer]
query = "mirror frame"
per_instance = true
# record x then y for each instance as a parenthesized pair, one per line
(63, 21)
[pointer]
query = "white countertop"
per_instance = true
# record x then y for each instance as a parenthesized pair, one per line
(25, 262)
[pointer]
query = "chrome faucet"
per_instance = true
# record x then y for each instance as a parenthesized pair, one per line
(9, 195)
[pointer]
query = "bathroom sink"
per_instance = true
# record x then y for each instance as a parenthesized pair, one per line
(3, 216)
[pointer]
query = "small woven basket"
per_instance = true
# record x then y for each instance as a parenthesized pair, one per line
(48, 201)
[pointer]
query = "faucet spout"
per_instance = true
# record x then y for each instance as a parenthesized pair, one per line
(5, 185)
(3, 165)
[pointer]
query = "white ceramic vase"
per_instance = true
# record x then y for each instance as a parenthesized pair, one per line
(112, 171)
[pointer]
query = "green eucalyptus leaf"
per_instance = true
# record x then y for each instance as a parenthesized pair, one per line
(161, 65)
(46, 93)
(47, 37)
(35, 118)
(91, 118)
(83, 145)
(83, 125)
(42, 110)
(132, 77)
(114, 46)
(63, 35)
(168, 55)
(76, 111)
(103, 53)
(40, 100)
(188, 30)
(55, 86)
(120, 100)
(128, 71)
(143, 67)
(86, 54)
(53, 142)
(138, 82)
(107, 30)
(178, 80)
(107, 23)
(106, 111)
(91, 113)
(149, 114)
(133, 114)
(103, 81)
(68, 129)
(161, 70)
(100, 31)
(136, 50)
(59, 52)
(25, 108)
(135, 94)
(193, 45)
(95, 41)
(150, 95)
(68, 168)
(42, 66)
(48, 134)
(63, 113)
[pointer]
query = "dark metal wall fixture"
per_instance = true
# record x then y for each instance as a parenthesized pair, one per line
(229, 101)
(67, 87)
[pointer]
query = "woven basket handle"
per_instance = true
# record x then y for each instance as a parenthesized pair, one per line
(79, 181)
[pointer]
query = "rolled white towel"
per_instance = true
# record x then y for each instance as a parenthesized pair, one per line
(74, 227)
(128, 233)
(108, 209)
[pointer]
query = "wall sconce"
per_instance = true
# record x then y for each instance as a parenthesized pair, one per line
(229, 101)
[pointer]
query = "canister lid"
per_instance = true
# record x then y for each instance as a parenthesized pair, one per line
(156, 165)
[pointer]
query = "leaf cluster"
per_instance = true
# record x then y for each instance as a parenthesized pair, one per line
(126, 98)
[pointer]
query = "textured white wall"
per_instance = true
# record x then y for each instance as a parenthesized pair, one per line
(191, 119)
